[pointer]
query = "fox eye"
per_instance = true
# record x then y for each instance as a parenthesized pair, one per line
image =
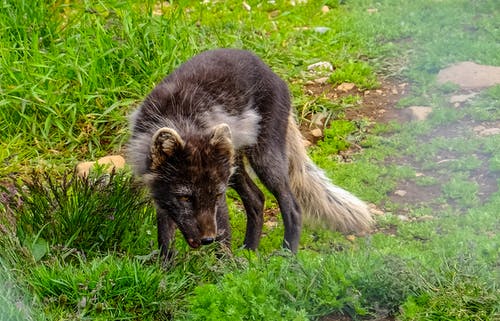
(184, 198)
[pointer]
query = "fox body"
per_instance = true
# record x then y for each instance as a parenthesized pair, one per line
(192, 134)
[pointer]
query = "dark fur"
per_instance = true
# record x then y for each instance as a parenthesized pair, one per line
(190, 138)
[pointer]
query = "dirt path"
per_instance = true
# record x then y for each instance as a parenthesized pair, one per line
(379, 106)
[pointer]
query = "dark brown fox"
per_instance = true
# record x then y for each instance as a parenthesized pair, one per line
(190, 138)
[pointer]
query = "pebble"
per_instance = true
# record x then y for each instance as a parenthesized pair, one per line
(419, 113)
(316, 132)
(400, 192)
(489, 132)
(470, 75)
(321, 65)
(113, 161)
(346, 86)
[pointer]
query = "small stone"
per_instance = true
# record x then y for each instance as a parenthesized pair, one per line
(403, 218)
(346, 86)
(461, 98)
(469, 75)
(83, 303)
(246, 6)
(113, 161)
(319, 66)
(419, 174)
(400, 192)
(351, 237)
(320, 81)
(158, 8)
(271, 224)
(490, 132)
(372, 10)
(376, 211)
(321, 29)
(318, 118)
(325, 9)
(316, 132)
(479, 128)
(424, 218)
(419, 113)
(306, 143)
(83, 168)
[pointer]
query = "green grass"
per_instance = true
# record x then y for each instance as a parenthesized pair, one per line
(72, 249)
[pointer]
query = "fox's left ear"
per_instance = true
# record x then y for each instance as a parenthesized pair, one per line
(165, 143)
(221, 139)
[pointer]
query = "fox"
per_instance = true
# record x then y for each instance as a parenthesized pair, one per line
(201, 130)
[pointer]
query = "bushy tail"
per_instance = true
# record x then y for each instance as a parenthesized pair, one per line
(322, 202)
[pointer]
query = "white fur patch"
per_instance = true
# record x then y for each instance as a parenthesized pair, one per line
(244, 127)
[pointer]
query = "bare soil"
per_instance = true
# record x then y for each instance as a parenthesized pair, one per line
(379, 106)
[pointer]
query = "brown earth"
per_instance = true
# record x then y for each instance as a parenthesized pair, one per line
(379, 106)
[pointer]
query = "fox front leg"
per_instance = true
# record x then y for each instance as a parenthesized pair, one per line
(166, 234)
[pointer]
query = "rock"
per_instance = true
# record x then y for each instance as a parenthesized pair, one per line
(479, 128)
(306, 143)
(346, 86)
(400, 192)
(320, 81)
(246, 6)
(419, 113)
(320, 66)
(489, 132)
(113, 162)
(403, 218)
(375, 211)
(271, 224)
(461, 98)
(318, 118)
(469, 75)
(424, 218)
(325, 9)
(372, 10)
(321, 29)
(351, 237)
(158, 8)
(316, 132)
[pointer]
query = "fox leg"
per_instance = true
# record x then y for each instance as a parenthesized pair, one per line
(253, 201)
(166, 234)
(223, 226)
(271, 166)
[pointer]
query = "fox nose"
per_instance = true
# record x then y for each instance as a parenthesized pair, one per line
(207, 240)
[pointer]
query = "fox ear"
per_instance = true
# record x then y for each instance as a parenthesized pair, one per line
(221, 134)
(221, 141)
(165, 142)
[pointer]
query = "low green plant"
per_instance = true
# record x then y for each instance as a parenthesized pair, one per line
(95, 213)
(359, 73)
(458, 291)
(462, 190)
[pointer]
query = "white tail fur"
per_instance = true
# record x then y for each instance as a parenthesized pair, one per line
(322, 202)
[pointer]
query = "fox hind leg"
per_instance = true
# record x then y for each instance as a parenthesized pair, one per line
(271, 166)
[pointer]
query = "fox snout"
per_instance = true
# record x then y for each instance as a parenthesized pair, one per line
(207, 225)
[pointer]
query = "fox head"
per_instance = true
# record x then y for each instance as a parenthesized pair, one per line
(188, 178)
